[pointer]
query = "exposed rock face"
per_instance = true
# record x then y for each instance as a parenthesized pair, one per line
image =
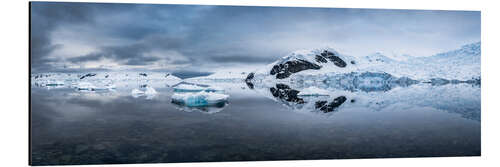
(286, 93)
(288, 68)
(323, 106)
(330, 56)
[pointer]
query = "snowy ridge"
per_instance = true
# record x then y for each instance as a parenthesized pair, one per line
(462, 64)
(103, 80)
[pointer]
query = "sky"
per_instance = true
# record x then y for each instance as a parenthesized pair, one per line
(196, 40)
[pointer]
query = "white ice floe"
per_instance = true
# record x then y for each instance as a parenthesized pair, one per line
(185, 87)
(149, 92)
(199, 99)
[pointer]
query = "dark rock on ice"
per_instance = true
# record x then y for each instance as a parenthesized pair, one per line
(88, 75)
(331, 56)
(288, 68)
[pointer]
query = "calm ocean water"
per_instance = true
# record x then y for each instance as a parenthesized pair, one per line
(72, 127)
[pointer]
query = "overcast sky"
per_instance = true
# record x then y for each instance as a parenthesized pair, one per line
(198, 39)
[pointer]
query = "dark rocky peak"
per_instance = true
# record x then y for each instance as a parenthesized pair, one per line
(327, 55)
(286, 69)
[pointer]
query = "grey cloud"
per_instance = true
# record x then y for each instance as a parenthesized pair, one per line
(230, 34)
(242, 58)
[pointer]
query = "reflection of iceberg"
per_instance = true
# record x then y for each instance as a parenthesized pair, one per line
(149, 92)
(206, 109)
(200, 99)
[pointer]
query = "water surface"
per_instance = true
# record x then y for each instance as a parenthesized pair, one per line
(72, 127)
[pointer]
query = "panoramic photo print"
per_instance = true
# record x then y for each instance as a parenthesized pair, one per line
(114, 83)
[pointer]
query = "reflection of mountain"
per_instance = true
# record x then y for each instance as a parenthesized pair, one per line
(448, 81)
(459, 99)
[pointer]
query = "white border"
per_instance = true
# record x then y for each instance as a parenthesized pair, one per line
(14, 78)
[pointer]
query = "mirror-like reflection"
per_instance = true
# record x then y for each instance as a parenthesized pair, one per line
(152, 121)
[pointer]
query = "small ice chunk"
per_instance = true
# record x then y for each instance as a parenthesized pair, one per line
(200, 99)
(150, 92)
(313, 91)
(85, 86)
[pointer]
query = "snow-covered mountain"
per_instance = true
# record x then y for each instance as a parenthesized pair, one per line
(462, 64)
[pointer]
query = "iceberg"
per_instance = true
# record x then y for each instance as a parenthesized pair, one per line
(200, 99)
(188, 87)
(148, 91)
(87, 86)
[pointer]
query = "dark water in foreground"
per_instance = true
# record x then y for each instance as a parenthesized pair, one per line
(70, 127)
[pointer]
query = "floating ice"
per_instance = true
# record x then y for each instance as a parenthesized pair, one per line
(149, 92)
(187, 87)
(87, 86)
(200, 99)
